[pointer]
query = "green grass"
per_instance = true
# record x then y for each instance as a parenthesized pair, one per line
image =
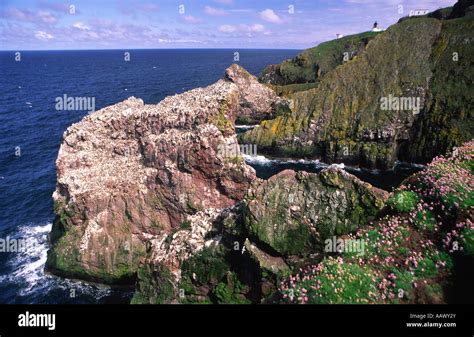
(425, 221)
(403, 201)
(426, 268)
(404, 282)
(467, 241)
(288, 89)
(334, 283)
(314, 62)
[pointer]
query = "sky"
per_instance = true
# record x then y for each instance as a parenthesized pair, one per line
(128, 24)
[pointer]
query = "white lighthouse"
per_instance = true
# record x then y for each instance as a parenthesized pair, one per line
(376, 27)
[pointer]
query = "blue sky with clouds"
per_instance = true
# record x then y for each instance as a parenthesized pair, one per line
(125, 24)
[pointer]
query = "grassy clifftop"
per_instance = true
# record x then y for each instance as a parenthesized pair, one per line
(313, 63)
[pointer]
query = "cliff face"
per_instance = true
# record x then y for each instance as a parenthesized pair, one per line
(236, 255)
(257, 102)
(132, 170)
(342, 118)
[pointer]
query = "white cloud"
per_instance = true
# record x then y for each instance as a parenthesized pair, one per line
(81, 26)
(47, 17)
(43, 36)
(149, 7)
(270, 16)
(178, 41)
(258, 28)
(243, 29)
(227, 28)
(214, 11)
(17, 14)
(191, 19)
(93, 35)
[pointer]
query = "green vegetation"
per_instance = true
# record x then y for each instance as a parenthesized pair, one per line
(313, 63)
(222, 120)
(467, 241)
(61, 213)
(284, 224)
(425, 221)
(332, 282)
(296, 240)
(155, 286)
(231, 291)
(206, 278)
(407, 255)
(403, 201)
(236, 160)
(288, 89)
(209, 266)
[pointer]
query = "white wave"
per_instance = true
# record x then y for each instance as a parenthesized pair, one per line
(352, 168)
(341, 165)
(259, 160)
(262, 160)
(28, 265)
(26, 268)
(246, 127)
(419, 166)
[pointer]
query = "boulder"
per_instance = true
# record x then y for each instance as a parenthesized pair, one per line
(292, 213)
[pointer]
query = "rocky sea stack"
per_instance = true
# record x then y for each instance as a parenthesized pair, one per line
(132, 170)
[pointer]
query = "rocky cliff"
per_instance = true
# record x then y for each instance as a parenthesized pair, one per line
(257, 102)
(149, 192)
(160, 196)
(273, 247)
(426, 60)
(134, 169)
(236, 255)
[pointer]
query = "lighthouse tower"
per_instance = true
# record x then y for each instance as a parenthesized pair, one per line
(376, 28)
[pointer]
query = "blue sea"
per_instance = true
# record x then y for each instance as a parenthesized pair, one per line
(31, 132)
